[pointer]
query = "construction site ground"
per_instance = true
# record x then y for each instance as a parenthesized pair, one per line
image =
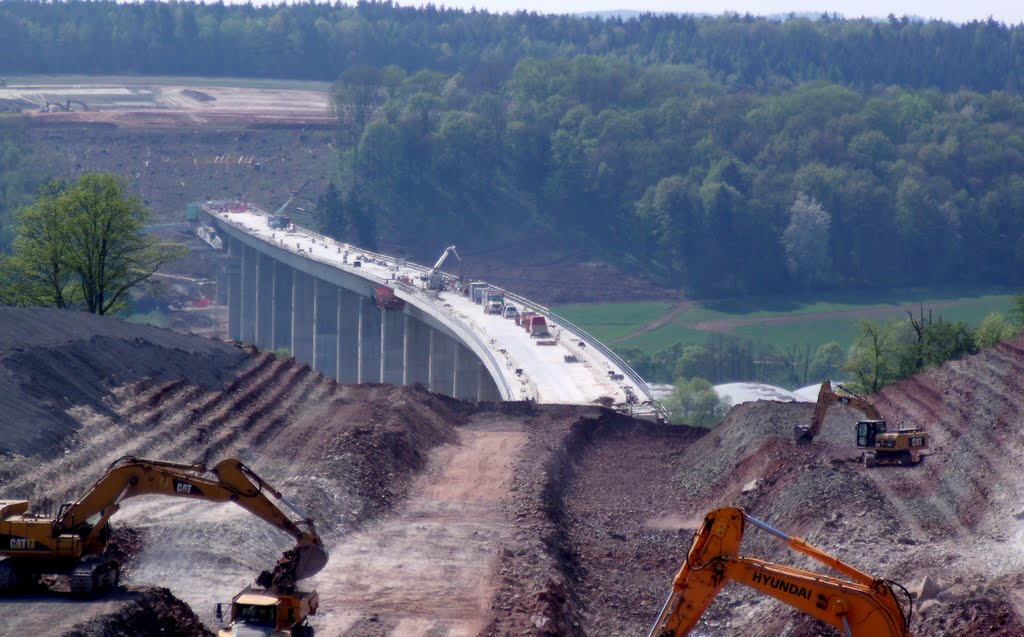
(451, 518)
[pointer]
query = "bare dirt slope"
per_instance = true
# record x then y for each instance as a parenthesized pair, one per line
(449, 518)
(345, 453)
(955, 519)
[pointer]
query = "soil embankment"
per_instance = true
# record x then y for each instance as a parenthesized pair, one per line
(453, 518)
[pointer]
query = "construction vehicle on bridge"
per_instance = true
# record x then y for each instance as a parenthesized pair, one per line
(435, 278)
(904, 446)
(534, 324)
(858, 604)
(494, 300)
(385, 298)
(74, 542)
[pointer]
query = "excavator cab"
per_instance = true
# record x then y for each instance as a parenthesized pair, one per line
(867, 432)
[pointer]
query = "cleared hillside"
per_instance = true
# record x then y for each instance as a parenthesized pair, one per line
(449, 518)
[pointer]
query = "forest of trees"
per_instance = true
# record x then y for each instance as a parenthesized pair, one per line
(717, 193)
(718, 155)
(319, 40)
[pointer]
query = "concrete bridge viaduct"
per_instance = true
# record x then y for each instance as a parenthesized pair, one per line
(293, 290)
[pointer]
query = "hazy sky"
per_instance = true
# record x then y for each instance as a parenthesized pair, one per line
(1008, 11)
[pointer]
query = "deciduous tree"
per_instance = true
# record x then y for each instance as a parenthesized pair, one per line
(806, 241)
(83, 245)
(694, 402)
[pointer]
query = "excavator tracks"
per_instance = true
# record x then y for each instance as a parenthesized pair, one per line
(94, 575)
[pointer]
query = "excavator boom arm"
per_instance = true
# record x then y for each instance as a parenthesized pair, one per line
(860, 608)
(231, 481)
(828, 394)
(450, 250)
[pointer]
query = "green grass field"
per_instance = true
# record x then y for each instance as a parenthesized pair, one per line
(777, 321)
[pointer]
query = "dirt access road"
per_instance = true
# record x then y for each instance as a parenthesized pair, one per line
(431, 567)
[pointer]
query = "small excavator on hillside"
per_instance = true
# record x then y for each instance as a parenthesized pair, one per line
(74, 542)
(860, 606)
(902, 446)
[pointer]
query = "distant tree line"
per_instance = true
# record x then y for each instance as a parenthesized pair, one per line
(320, 40)
(882, 353)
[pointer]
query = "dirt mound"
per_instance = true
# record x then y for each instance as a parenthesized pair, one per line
(54, 361)
(952, 519)
(345, 454)
(446, 517)
(152, 611)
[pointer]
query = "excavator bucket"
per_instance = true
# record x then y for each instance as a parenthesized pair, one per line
(802, 435)
(305, 560)
(311, 561)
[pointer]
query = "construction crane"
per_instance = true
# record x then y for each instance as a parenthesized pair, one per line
(279, 220)
(857, 604)
(435, 278)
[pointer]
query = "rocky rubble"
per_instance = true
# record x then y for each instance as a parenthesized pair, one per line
(600, 508)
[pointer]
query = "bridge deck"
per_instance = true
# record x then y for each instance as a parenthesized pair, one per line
(547, 375)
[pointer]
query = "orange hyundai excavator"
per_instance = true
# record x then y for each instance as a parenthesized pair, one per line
(878, 445)
(74, 542)
(861, 606)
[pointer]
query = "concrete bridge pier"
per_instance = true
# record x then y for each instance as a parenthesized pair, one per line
(392, 347)
(348, 337)
(416, 352)
(233, 276)
(325, 331)
(487, 389)
(442, 364)
(370, 329)
(281, 329)
(264, 302)
(302, 317)
(221, 296)
(248, 309)
(467, 373)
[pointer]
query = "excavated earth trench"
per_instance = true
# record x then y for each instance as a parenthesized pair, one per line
(445, 518)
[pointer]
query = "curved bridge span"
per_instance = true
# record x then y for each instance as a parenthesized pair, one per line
(292, 289)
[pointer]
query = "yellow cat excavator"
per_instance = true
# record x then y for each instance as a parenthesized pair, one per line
(859, 606)
(74, 542)
(878, 444)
